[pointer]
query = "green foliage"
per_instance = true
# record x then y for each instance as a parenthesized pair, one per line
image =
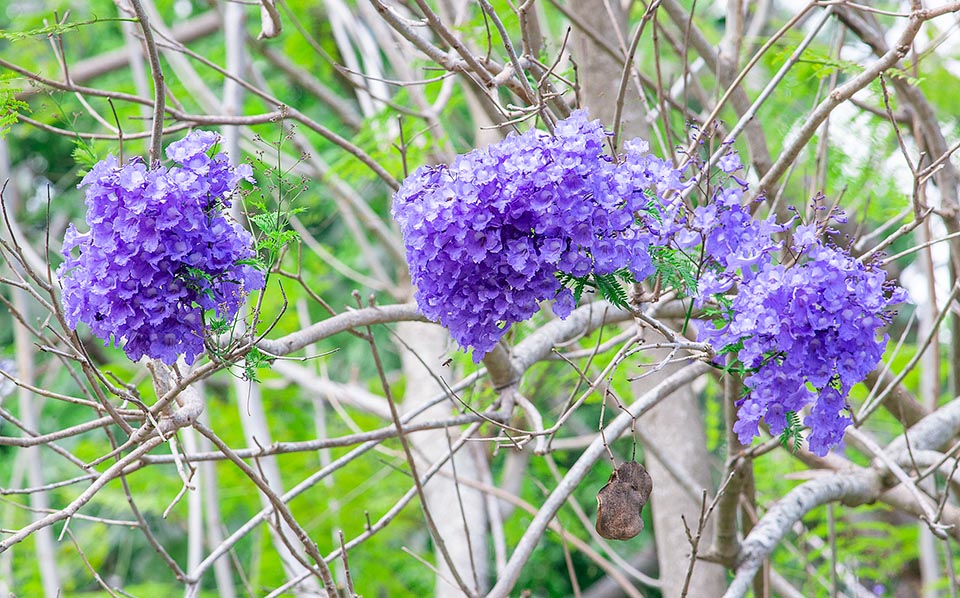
(276, 234)
(676, 268)
(610, 288)
(607, 285)
(282, 189)
(870, 547)
(195, 277)
(732, 349)
(55, 29)
(872, 544)
(10, 106)
(792, 436)
(83, 154)
(254, 361)
(218, 325)
(713, 420)
(379, 136)
(824, 65)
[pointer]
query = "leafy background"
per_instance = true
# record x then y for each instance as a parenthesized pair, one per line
(872, 544)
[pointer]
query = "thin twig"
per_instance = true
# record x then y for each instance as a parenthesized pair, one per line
(159, 89)
(411, 463)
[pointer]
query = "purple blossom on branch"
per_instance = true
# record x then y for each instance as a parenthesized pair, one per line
(160, 251)
(808, 333)
(487, 234)
(493, 234)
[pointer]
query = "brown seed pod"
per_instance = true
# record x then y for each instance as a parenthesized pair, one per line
(620, 502)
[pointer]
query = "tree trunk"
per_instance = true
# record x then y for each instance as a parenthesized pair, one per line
(458, 511)
(675, 426)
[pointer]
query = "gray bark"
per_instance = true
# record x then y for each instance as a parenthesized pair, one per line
(675, 427)
(458, 510)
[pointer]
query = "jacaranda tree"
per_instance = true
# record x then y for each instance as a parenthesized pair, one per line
(435, 298)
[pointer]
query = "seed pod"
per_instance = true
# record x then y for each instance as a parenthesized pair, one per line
(620, 502)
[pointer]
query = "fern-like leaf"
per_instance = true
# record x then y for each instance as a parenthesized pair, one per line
(10, 106)
(610, 289)
(675, 268)
(792, 436)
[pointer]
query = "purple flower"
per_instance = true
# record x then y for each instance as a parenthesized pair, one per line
(730, 162)
(564, 303)
(820, 319)
(814, 324)
(827, 422)
(159, 253)
(487, 235)
(804, 236)
(491, 235)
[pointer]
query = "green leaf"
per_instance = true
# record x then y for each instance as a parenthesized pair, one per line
(792, 436)
(676, 269)
(576, 284)
(255, 360)
(607, 285)
(10, 106)
(219, 325)
(610, 289)
(83, 154)
(55, 29)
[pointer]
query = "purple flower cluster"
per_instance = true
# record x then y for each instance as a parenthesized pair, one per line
(160, 251)
(735, 243)
(491, 235)
(486, 235)
(808, 332)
